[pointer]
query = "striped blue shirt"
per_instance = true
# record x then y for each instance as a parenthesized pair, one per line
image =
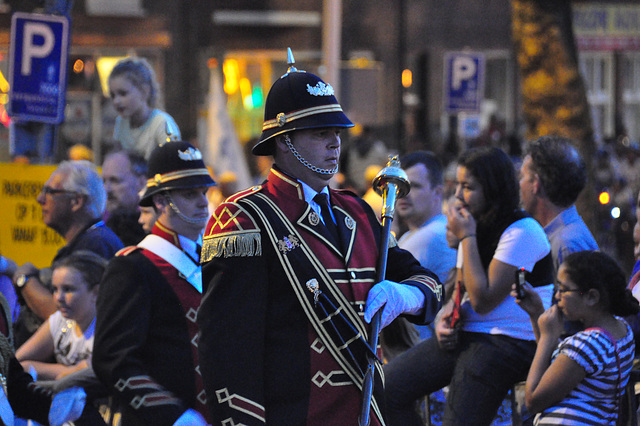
(596, 398)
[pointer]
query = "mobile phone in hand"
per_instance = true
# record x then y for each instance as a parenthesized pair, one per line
(457, 301)
(520, 282)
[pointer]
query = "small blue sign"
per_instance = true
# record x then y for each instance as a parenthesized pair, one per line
(464, 82)
(469, 126)
(38, 67)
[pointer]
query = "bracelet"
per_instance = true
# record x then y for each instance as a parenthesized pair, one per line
(467, 236)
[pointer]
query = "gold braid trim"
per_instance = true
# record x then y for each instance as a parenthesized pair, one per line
(232, 245)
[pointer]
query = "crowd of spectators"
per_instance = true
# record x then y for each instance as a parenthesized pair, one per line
(552, 177)
(458, 221)
(76, 204)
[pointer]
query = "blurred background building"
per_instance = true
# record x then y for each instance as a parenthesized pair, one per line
(390, 70)
(389, 60)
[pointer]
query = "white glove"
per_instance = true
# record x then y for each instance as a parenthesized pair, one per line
(190, 418)
(67, 406)
(394, 299)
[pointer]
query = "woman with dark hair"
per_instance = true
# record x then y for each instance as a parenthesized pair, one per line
(582, 378)
(484, 343)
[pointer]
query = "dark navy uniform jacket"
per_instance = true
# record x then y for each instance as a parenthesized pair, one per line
(263, 357)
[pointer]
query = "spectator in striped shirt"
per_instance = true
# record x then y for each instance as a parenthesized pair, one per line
(581, 379)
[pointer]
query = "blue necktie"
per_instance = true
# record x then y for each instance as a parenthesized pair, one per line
(323, 201)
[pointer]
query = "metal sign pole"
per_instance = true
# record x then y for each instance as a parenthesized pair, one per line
(63, 8)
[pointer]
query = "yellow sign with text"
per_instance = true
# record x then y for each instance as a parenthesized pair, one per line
(23, 235)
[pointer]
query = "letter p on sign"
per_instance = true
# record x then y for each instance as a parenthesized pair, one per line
(462, 68)
(38, 54)
(31, 49)
(463, 82)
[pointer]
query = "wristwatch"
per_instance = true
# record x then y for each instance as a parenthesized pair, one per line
(23, 278)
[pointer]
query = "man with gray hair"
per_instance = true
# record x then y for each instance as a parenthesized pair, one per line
(73, 201)
(124, 176)
(552, 176)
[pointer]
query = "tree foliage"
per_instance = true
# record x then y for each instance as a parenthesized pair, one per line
(553, 93)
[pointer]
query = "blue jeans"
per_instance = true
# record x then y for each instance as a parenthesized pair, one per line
(479, 372)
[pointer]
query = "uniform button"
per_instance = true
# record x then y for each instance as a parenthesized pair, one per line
(353, 275)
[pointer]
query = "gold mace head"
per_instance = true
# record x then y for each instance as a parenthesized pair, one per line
(392, 174)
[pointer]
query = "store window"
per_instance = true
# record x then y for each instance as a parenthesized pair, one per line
(247, 80)
(248, 76)
(631, 94)
(598, 74)
(500, 87)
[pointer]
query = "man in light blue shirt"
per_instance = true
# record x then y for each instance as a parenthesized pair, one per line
(552, 176)
(568, 233)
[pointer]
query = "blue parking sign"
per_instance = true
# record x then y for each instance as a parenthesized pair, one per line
(464, 82)
(38, 67)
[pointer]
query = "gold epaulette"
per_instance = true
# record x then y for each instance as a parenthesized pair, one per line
(234, 244)
(232, 231)
(127, 250)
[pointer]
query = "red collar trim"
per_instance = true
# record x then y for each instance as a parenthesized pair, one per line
(168, 234)
(286, 184)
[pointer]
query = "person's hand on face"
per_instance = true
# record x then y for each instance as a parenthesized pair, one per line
(460, 221)
(551, 322)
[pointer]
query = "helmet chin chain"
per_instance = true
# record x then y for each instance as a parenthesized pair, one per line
(305, 163)
(177, 211)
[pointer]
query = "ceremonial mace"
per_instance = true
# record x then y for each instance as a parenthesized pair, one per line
(390, 183)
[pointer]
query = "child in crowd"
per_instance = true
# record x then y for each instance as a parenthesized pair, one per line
(581, 378)
(134, 91)
(19, 394)
(67, 335)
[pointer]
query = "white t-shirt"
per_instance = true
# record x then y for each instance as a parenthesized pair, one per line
(428, 244)
(522, 244)
(69, 348)
(152, 133)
